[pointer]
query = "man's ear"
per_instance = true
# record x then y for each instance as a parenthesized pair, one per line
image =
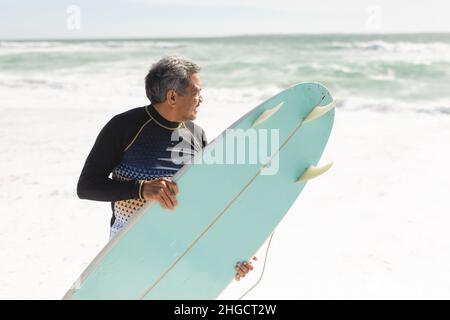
(171, 96)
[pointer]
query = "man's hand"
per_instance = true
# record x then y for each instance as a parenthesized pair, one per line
(162, 190)
(242, 268)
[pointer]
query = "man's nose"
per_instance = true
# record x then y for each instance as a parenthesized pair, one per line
(200, 99)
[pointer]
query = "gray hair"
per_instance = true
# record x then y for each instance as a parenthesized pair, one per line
(171, 72)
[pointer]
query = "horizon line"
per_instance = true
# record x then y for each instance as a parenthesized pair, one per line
(132, 38)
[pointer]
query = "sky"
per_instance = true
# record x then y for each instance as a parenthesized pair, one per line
(71, 19)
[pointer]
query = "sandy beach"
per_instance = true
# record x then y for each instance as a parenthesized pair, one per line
(375, 226)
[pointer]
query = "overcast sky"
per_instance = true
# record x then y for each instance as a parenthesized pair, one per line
(45, 19)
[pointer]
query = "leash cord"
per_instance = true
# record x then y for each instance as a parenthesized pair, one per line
(264, 268)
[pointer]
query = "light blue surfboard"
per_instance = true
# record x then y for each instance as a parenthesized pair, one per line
(225, 211)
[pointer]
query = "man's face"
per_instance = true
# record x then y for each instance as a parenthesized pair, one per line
(187, 105)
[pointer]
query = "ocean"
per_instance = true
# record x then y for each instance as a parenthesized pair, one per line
(377, 72)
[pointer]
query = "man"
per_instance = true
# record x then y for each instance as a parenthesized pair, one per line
(135, 147)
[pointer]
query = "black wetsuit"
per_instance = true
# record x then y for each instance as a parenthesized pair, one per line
(136, 145)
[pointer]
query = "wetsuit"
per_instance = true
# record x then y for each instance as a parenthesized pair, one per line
(135, 146)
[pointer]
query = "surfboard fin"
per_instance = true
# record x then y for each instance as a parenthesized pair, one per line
(319, 111)
(314, 171)
(267, 114)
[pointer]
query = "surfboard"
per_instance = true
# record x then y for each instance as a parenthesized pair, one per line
(227, 206)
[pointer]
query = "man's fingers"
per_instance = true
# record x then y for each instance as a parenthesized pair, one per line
(243, 268)
(171, 196)
(165, 195)
(240, 273)
(247, 266)
(162, 202)
(175, 187)
(162, 190)
(163, 199)
(171, 199)
(171, 185)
